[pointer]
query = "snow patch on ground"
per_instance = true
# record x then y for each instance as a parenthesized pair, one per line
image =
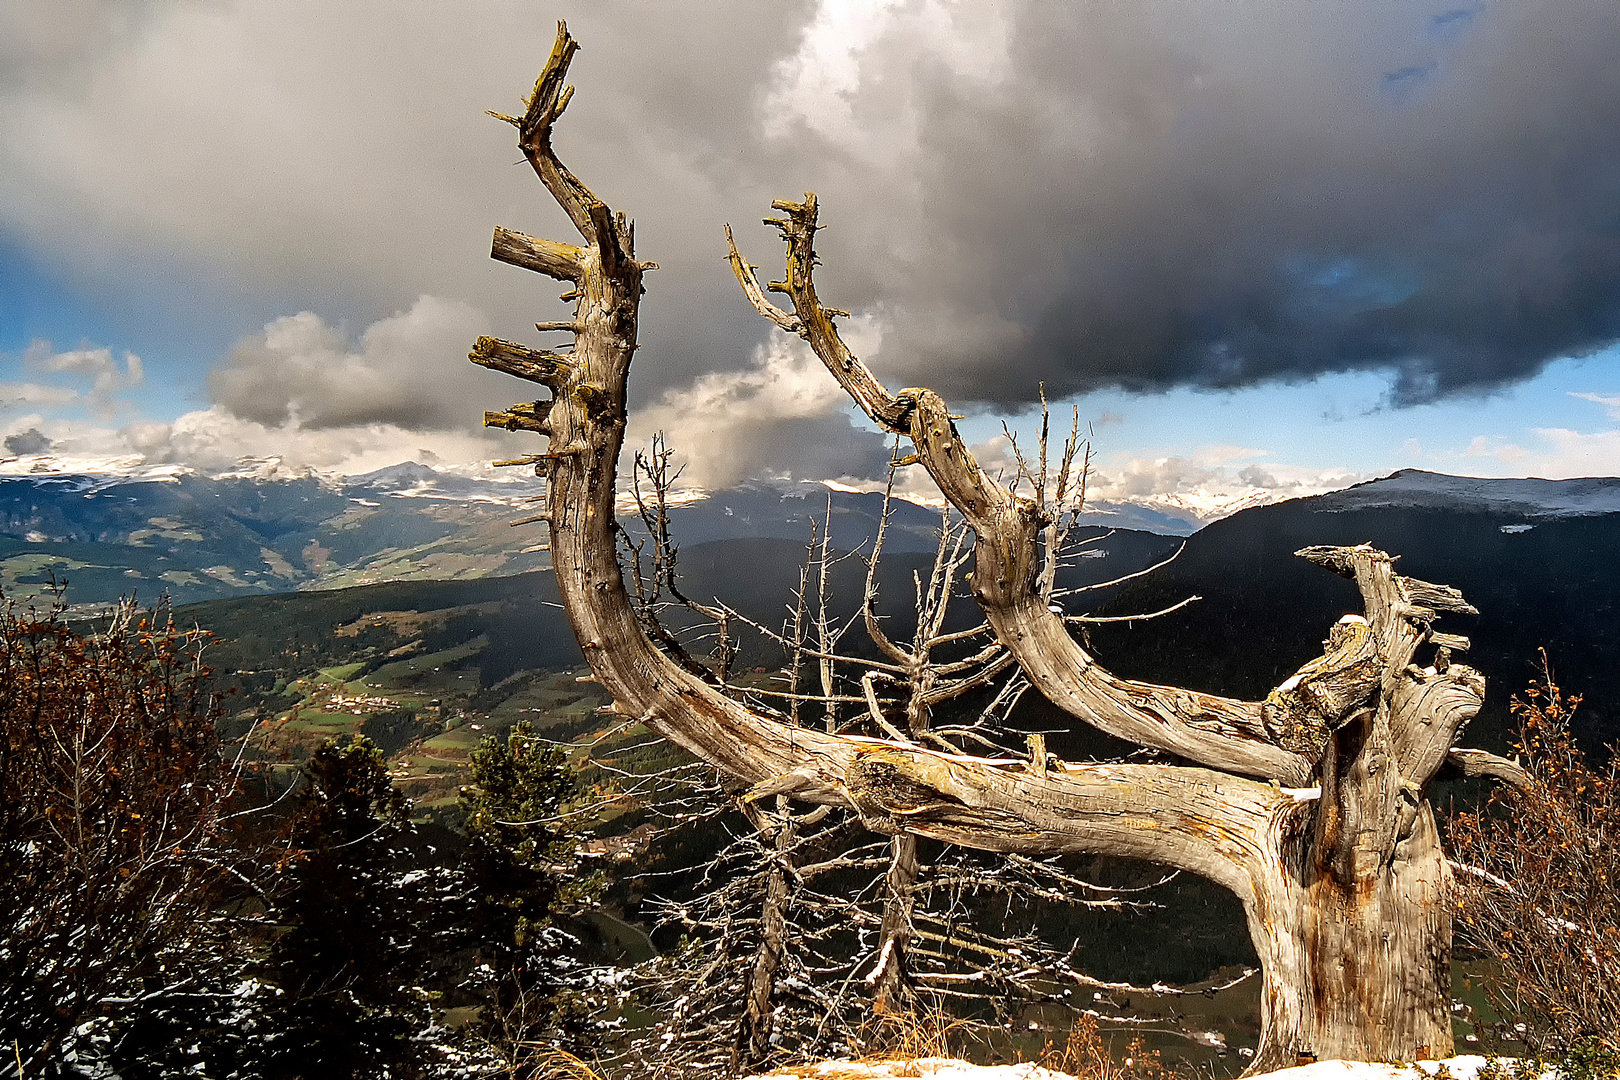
(1462, 1067)
(926, 1068)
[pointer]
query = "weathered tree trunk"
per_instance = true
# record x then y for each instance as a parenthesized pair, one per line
(1355, 954)
(891, 991)
(1364, 970)
(754, 1040)
(1343, 882)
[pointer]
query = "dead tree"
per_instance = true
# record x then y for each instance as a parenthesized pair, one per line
(766, 971)
(1340, 867)
(909, 933)
(1309, 806)
(916, 681)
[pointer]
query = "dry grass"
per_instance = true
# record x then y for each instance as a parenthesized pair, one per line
(1086, 1055)
(900, 1045)
(925, 1033)
(552, 1064)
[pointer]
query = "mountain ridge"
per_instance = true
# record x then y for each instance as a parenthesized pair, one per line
(1529, 496)
(262, 528)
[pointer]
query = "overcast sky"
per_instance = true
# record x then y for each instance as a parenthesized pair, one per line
(1258, 244)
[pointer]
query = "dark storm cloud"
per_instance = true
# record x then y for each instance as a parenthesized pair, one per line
(1088, 194)
(1223, 194)
(32, 441)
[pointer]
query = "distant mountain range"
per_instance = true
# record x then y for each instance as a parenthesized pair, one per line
(262, 528)
(1171, 513)
(1531, 499)
(1536, 557)
(113, 526)
(200, 538)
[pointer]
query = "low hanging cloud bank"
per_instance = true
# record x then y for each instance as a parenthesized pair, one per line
(299, 393)
(1186, 491)
(784, 418)
(314, 397)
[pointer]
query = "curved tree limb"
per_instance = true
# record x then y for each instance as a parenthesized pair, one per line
(1281, 738)
(1131, 810)
(1221, 733)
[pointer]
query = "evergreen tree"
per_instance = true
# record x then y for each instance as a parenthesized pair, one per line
(527, 886)
(363, 935)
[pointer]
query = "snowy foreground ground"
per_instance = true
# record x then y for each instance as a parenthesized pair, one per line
(1464, 1067)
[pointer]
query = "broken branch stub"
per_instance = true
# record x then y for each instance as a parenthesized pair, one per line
(535, 365)
(549, 257)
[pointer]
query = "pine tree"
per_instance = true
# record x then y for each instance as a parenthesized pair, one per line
(362, 933)
(526, 884)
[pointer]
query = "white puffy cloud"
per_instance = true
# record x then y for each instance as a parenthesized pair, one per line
(408, 370)
(838, 60)
(1611, 402)
(86, 380)
(215, 439)
(1555, 454)
(301, 391)
(1153, 476)
(784, 417)
(108, 379)
(1573, 453)
(15, 395)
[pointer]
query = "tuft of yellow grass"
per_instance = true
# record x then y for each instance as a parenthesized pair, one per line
(909, 1036)
(553, 1064)
(1086, 1056)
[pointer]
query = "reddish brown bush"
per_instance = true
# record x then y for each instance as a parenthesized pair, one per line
(113, 808)
(1539, 881)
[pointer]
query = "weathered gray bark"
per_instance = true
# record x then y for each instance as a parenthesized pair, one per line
(754, 1041)
(1343, 891)
(891, 990)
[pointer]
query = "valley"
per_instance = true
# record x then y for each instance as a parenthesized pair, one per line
(448, 647)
